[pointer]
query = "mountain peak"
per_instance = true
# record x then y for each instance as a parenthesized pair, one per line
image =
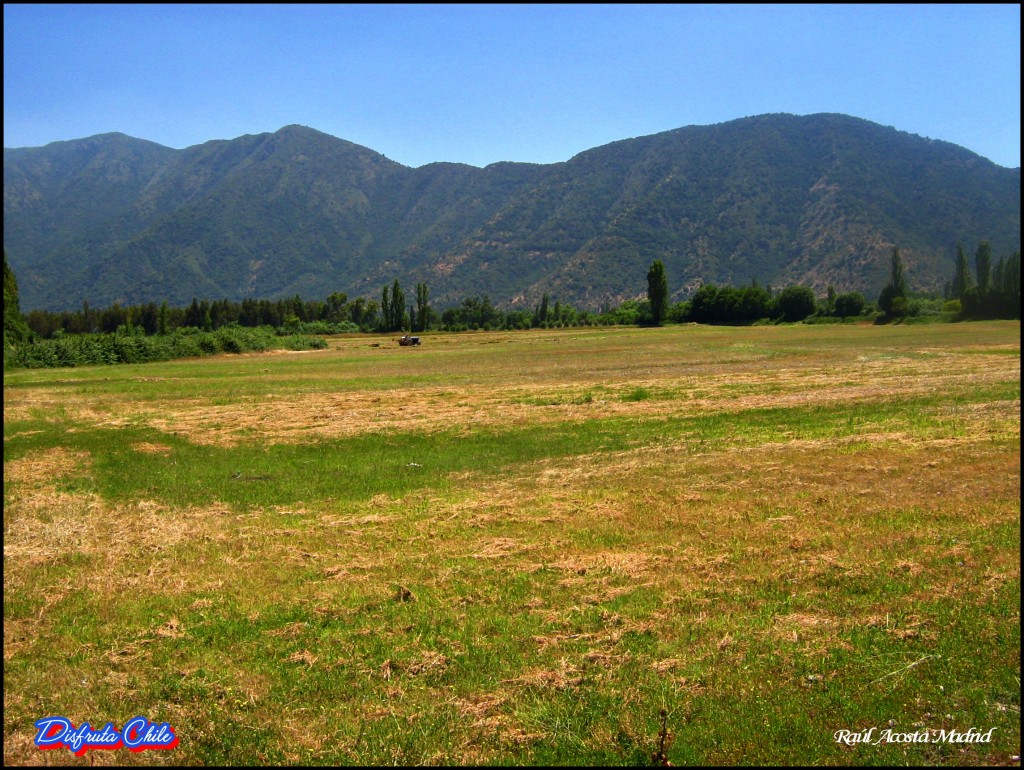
(296, 129)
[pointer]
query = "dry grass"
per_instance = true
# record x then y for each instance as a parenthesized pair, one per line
(332, 415)
(680, 387)
(650, 570)
(40, 469)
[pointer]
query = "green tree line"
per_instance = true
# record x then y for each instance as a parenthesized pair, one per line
(114, 333)
(337, 314)
(994, 289)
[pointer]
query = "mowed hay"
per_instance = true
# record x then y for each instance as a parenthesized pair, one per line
(536, 610)
(315, 416)
(44, 524)
(572, 388)
(42, 468)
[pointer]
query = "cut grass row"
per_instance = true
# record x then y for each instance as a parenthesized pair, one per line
(362, 466)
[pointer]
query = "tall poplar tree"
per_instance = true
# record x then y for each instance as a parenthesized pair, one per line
(422, 308)
(385, 310)
(962, 277)
(657, 292)
(161, 320)
(893, 299)
(540, 314)
(397, 307)
(983, 265)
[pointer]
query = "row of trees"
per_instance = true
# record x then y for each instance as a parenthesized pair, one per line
(337, 314)
(393, 310)
(333, 315)
(24, 348)
(726, 304)
(994, 290)
(993, 293)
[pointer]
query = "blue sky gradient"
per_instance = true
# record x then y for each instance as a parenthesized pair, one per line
(479, 84)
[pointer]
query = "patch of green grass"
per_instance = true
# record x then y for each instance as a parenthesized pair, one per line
(557, 400)
(362, 466)
(637, 394)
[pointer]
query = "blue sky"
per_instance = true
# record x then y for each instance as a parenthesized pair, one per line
(484, 83)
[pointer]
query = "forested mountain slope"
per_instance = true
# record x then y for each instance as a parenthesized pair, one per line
(781, 199)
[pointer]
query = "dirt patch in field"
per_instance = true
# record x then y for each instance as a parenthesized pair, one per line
(566, 676)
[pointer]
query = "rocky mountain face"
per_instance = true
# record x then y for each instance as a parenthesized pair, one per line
(781, 199)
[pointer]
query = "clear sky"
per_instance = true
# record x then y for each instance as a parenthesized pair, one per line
(484, 83)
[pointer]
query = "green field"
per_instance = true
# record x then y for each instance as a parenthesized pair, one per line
(523, 547)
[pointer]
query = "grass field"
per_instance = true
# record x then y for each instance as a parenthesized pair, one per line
(522, 548)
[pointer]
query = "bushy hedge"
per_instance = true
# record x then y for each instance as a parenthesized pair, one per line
(294, 326)
(128, 348)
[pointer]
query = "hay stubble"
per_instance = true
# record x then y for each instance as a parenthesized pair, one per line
(474, 615)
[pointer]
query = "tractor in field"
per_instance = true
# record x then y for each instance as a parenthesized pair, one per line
(407, 340)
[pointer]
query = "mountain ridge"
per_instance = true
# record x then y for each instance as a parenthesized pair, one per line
(777, 198)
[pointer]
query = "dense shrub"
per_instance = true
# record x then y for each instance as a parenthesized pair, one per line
(132, 348)
(726, 304)
(795, 303)
(850, 304)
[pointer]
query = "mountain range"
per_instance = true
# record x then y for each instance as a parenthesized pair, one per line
(782, 199)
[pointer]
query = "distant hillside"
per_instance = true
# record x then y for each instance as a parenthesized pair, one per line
(777, 198)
